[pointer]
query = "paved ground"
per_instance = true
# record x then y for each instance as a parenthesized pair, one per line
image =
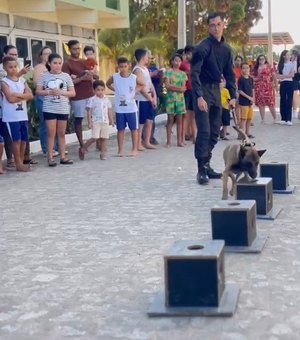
(81, 248)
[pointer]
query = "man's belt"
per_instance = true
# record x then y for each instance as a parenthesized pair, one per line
(211, 85)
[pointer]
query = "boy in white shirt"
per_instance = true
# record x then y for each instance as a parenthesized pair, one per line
(100, 116)
(15, 94)
(125, 84)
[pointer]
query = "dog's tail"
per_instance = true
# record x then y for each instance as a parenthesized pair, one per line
(241, 133)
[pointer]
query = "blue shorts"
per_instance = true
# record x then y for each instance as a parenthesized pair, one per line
(130, 119)
(146, 111)
(18, 131)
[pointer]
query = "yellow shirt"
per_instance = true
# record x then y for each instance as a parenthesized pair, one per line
(224, 98)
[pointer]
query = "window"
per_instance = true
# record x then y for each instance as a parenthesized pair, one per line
(66, 52)
(113, 4)
(52, 45)
(36, 46)
(27, 52)
(3, 42)
(22, 47)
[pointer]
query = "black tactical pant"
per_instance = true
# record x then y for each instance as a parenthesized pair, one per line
(208, 123)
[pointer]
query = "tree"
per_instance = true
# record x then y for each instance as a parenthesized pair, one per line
(239, 15)
(143, 33)
(153, 24)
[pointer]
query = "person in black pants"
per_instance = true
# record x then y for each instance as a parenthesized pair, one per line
(286, 72)
(211, 59)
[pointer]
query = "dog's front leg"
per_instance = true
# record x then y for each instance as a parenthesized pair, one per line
(233, 188)
(225, 185)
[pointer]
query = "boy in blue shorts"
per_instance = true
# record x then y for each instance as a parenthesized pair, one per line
(125, 84)
(15, 94)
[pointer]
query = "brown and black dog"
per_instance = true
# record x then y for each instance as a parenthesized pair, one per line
(240, 159)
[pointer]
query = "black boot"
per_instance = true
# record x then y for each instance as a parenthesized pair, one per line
(202, 177)
(211, 173)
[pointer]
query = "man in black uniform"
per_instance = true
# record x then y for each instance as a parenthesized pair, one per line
(212, 58)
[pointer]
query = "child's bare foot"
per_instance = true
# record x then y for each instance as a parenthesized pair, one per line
(2, 171)
(22, 168)
(102, 157)
(120, 154)
(168, 145)
(181, 145)
(133, 153)
(141, 148)
(150, 146)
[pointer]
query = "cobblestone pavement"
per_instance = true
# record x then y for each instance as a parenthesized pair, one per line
(82, 247)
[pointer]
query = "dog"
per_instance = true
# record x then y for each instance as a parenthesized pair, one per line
(240, 159)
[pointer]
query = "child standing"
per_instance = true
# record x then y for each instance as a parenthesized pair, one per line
(246, 98)
(225, 99)
(125, 84)
(15, 94)
(175, 82)
(99, 118)
(57, 87)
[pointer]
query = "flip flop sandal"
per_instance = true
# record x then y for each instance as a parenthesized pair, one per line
(11, 165)
(66, 161)
(52, 163)
(30, 161)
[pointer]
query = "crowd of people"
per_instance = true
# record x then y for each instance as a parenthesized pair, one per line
(197, 91)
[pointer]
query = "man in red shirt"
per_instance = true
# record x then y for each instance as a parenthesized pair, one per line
(189, 122)
(82, 79)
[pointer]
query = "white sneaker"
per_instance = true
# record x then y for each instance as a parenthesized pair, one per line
(289, 123)
(55, 153)
(295, 114)
(281, 122)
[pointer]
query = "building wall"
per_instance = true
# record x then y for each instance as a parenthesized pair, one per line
(29, 35)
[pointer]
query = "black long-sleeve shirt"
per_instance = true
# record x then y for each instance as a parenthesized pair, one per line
(212, 59)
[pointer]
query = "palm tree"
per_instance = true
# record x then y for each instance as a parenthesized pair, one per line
(115, 42)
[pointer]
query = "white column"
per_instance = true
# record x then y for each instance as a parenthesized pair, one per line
(270, 38)
(181, 42)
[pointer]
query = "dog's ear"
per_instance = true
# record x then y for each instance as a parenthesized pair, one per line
(261, 152)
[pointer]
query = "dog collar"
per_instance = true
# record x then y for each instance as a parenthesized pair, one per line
(246, 144)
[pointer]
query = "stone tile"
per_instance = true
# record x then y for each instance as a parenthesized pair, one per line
(81, 247)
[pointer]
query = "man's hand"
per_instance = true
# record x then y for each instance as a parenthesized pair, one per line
(232, 103)
(87, 76)
(154, 102)
(202, 104)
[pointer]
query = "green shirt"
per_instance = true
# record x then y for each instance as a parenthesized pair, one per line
(176, 79)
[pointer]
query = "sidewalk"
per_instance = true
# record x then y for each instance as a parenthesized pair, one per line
(82, 246)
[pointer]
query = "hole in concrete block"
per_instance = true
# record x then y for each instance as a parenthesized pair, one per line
(233, 204)
(195, 247)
